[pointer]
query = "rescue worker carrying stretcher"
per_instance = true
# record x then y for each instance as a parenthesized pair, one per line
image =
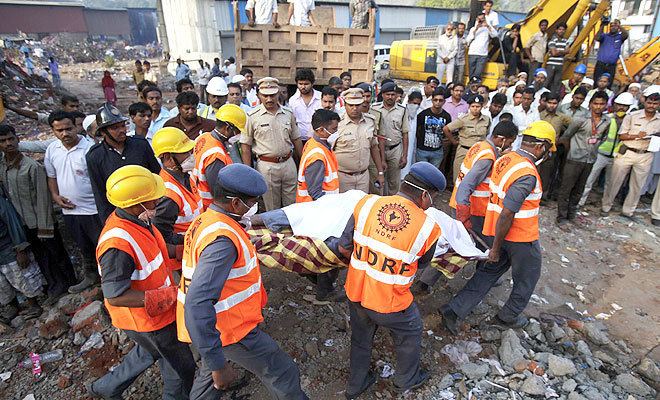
(511, 227)
(386, 239)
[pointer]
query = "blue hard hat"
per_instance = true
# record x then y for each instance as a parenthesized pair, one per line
(581, 69)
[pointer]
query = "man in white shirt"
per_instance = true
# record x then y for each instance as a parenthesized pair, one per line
(478, 38)
(262, 12)
(300, 13)
(447, 47)
(524, 114)
(203, 76)
(149, 74)
(304, 102)
(71, 189)
(153, 96)
(494, 111)
(491, 16)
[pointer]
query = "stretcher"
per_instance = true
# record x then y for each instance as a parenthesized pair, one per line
(301, 241)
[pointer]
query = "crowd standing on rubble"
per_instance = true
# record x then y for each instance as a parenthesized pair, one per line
(159, 202)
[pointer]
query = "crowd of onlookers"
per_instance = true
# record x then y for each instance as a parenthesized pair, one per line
(604, 139)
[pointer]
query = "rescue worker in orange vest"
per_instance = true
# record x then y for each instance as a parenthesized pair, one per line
(221, 294)
(212, 150)
(180, 205)
(511, 227)
(318, 175)
(471, 192)
(137, 284)
(386, 240)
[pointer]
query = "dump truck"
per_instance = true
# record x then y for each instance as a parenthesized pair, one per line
(325, 49)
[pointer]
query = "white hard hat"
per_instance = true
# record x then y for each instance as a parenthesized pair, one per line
(217, 87)
(651, 89)
(238, 78)
(625, 99)
(88, 121)
(588, 81)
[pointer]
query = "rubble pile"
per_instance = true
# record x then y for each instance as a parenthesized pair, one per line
(552, 358)
(24, 91)
(68, 49)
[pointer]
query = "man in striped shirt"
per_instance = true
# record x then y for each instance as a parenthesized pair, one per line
(557, 49)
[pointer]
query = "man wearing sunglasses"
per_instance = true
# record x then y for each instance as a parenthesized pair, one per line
(511, 227)
(212, 150)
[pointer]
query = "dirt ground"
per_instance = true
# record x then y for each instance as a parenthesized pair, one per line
(599, 265)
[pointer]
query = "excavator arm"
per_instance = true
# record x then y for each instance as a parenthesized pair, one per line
(637, 61)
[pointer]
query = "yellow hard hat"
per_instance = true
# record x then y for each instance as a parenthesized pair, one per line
(171, 140)
(232, 114)
(133, 184)
(542, 130)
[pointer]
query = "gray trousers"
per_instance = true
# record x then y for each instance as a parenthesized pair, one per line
(431, 275)
(113, 384)
(524, 259)
(553, 81)
(459, 72)
(176, 363)
(476, 65)
(258, 353)
(602, 163)
(406, 330)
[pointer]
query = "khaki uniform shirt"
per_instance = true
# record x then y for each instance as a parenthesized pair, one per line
(353, 147)
(538, 45)
(470, 129)
(393, 122)
(270, 134)
(635, 123)
(558, 121)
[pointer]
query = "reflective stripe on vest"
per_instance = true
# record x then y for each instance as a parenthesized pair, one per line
(207, 150)
(152, 270)
(383, 265)
(479, 197)
(237, 309)
(506, 171)
(147, 267)
(190, 206)
(313, 152)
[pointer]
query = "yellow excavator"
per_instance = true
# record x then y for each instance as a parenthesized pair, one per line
(415, 59)
(635, 63)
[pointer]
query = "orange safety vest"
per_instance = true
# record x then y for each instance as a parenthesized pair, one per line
(207, 150)
(152, 270)
(190, 206)
(391, 234)
(525, 226)
(479, 198)
(315, 151)
(238, 310)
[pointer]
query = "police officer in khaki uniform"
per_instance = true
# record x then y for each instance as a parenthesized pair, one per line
(374, 186)
(394, 129)
(270, 135)
(472, 128)
(356, 144)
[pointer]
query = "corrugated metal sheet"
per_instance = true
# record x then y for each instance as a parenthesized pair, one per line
(437, 16)
(108, 22)
(41, 19)
(143, 23)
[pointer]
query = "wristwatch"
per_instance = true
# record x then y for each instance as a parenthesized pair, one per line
(381, 173)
